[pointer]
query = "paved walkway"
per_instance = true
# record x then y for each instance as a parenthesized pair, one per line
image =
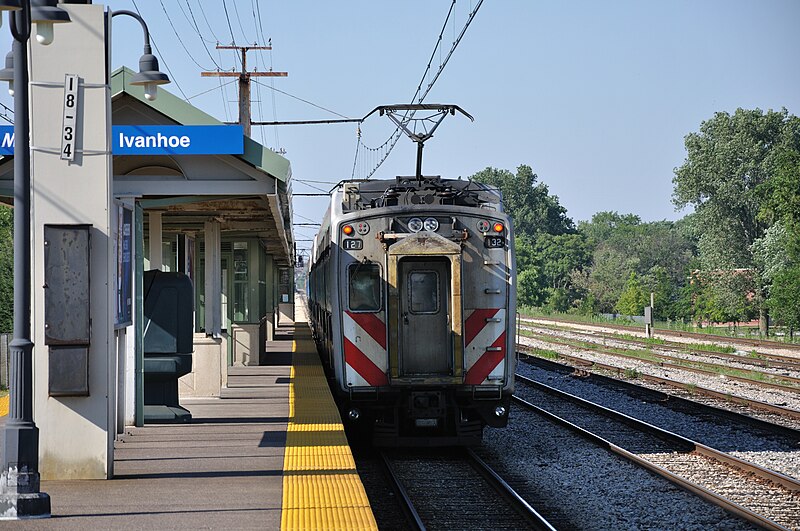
(223, 471)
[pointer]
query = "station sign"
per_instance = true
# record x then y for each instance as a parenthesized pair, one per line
(161, 140)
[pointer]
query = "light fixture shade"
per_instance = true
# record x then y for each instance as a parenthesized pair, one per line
(7, 74)
(48, 11)
(149, 74)
(10, 5)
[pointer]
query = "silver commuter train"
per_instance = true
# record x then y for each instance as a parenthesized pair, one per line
(412, 299)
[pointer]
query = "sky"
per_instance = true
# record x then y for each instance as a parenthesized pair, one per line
(596, 97)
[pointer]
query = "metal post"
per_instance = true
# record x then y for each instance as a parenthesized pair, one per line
(420, 145)
(19, 483)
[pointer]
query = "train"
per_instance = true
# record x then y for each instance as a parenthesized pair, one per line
(411, 292)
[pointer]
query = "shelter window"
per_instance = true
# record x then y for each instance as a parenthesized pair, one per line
(241, 286)
(365, 287)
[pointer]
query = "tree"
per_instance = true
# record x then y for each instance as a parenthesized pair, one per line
(633, 298)
(657, 252)
(528, 202)
(6, 269)
(727, 165)
(784, 298)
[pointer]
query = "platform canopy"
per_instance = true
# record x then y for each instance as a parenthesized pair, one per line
(248, 193)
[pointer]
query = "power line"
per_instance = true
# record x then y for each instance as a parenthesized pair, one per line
(301, 99)
(241, 27)
(203, 12)
(212, 88)
(193, 22)
(169, 19)
(389, 144)
(228, 18)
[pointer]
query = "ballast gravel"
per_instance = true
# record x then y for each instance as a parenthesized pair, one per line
(717, 383)
(778, 453)
(577, 485)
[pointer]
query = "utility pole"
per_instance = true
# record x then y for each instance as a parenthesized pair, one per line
(244, 81)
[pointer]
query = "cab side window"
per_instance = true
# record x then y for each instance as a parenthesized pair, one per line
(364, 281)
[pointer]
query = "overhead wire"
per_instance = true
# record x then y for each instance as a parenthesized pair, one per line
(205, 18)
(212, 88)
(180, 40)
(301, 99)
(193, 23)
(389, 144)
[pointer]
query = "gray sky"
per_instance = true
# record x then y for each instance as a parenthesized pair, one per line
(595, 96)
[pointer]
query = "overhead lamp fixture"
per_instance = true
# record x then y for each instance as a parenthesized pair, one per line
(9, 5)
(46, 13)
(7, 74)
(149, 76)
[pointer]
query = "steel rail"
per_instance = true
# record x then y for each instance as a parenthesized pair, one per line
(667, 400)
(406, 504)
(679, 366)
(533, 517)
(680, 333)
(690, 486)
(755, 404)
(763, 360)
(748, 467)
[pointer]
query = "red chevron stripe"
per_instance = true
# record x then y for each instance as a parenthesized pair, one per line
(371, 325)
(476, 322)
(363, 365)
(486, 363)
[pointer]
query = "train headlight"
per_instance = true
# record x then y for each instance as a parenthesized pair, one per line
(415, 224)
(431, 224)
(498, 227)
(348, 230)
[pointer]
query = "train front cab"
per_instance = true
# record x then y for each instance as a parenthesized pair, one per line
(443, 371)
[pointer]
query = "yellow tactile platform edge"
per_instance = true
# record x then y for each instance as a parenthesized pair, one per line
(321, 487)
(3, 406)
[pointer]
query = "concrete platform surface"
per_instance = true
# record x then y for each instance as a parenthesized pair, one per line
(222, 471)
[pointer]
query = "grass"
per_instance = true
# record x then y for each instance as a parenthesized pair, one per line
(631, 374)
(647, 355)
(711, 347)
(777, 333)
(544, 353)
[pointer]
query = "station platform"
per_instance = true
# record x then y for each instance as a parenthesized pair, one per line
(270, 454)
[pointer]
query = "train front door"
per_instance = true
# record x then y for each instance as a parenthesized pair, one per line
(425, 345)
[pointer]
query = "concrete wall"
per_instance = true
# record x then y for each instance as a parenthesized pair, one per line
(245, 344)
(209, 368)
(76, 433)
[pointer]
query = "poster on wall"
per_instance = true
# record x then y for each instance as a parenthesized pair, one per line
(124, 260)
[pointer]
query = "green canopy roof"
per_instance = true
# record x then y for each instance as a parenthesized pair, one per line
(184, 113)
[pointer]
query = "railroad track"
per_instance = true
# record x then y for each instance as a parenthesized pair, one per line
(680, 333)
(762, 379)
(713, 350)
(711, 410)
(455, 489)
(761, 496)
(776, 412)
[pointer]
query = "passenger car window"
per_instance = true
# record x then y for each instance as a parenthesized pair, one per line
(424, 292)
(365, 287)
